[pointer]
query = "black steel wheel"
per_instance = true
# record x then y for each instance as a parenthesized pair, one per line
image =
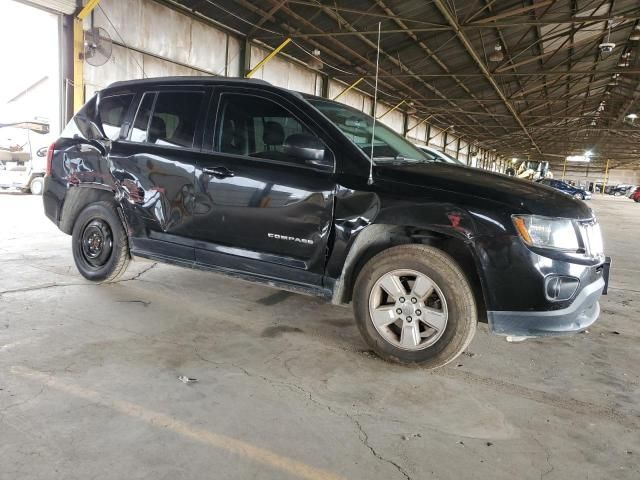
(100, 246)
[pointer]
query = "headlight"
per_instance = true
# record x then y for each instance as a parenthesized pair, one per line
(547, 232)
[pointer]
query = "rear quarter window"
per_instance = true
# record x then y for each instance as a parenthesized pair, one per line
(113, 111)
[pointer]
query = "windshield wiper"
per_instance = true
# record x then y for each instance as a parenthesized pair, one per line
(398, 160)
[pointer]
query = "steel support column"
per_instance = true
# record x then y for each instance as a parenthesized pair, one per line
(78, 54)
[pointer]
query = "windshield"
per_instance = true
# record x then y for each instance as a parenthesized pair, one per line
(441, 156)
(453, 160)
(388, 146)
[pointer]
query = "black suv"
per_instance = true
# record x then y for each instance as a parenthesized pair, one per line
(268, 185)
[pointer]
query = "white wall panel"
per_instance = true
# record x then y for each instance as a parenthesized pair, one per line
(353, 97)
(417, 134)
(233, 58)
(394, 120)
(125, 16)
(152, 28)
(155, 67)
(281, 72)
(207, 48)
(123, 65)
(164, 32)
(437, 137)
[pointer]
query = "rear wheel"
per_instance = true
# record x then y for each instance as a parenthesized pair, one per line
(414, 305)
(100, 246)
(36, 186)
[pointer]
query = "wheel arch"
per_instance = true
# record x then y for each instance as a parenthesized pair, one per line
(77, 199)
(378, 237)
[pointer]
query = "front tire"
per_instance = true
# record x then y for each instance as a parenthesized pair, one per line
(36, 186)
(100, 246)
(414, 305)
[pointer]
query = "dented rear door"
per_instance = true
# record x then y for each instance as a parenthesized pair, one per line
(155, 168)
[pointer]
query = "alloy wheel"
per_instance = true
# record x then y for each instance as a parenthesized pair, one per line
(408, 309)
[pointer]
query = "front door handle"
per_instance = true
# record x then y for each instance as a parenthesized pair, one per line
(218, 172)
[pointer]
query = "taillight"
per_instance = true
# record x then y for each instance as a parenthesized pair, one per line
(50, 158)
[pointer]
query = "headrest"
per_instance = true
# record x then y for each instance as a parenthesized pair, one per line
(273, 133)
(157, 129)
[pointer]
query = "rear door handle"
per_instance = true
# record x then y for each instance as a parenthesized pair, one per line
(218, 172)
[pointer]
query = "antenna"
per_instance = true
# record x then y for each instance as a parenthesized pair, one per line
(375, 110)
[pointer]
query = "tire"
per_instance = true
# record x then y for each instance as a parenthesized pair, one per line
(450, 306)
(99, 243)
(36, 186)
(578, 196)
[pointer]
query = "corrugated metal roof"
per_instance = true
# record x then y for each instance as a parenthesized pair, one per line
(553, 93)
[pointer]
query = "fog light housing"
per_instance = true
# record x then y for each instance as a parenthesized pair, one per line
(559, 287)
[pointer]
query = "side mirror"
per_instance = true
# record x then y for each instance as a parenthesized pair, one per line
(309, 149)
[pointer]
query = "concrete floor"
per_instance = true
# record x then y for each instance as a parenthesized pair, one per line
(286, 388)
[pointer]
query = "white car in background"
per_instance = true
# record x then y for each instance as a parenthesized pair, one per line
(439, 156)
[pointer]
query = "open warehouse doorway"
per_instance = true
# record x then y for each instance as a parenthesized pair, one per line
(31, 113)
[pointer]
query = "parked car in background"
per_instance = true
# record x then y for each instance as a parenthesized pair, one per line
(564, 187)
(438, 156)
(245, 179)
(622, 189)
(635, 195)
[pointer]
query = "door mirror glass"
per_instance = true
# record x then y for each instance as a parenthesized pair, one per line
(307, 148)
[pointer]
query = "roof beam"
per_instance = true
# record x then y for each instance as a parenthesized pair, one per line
(511, 13)
(470, 50)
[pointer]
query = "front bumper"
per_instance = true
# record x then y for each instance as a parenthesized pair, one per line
(582, 313)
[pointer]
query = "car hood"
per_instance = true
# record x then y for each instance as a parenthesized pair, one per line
(514, 192)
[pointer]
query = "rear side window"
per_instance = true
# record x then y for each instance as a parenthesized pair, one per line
(113, 111)
(141, 123)
(167, 118)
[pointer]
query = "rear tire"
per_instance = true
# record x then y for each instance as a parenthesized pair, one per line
(100, 245)
(430, 318)
(36, 186)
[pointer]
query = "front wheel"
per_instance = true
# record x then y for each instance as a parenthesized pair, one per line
(100, 246)
(36, 186)
(413, 304)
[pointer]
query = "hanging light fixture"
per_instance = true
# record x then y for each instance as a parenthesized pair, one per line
(315, 62)
(496, 55)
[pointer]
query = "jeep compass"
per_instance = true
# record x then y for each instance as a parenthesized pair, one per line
(260, 183)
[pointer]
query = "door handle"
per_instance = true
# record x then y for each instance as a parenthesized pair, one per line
(218, 172)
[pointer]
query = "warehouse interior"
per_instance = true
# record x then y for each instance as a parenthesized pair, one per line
(179, 373)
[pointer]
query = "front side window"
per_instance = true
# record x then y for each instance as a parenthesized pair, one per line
(167, 118)
(257, 127)
(388, 146)
(113, 111)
